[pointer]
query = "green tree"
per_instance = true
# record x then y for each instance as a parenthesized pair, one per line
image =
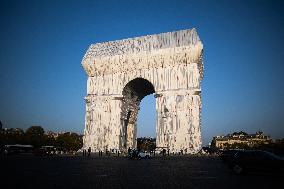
(147, 144)
(35, 136)
(12, 136)
(69, 141)
(49, 140)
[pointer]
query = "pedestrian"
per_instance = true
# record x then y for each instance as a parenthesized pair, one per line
(89, 151)
(164, 152)
(129, 151)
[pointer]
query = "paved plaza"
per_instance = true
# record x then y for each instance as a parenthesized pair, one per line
(120, 172)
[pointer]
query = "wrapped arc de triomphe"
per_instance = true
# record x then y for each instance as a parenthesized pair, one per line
(121, 73)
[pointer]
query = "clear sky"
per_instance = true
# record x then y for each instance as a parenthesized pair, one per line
(42, 44)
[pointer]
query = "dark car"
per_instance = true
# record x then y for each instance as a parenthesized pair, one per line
(133, 154)
(45, 151)
(228, 155)
(256, 161)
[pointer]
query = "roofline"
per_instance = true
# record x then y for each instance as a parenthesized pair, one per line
(148, 43)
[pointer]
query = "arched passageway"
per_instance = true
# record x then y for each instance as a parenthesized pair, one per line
(133, 92)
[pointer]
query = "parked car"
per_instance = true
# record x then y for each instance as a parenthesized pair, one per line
(256, 161)
(133, 154)
(45, 151)
(228, 155)
(144, 154)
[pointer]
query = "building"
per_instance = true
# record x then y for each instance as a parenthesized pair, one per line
(52, 134)
(240, 139)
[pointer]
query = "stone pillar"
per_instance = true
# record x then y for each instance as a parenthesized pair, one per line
(178, 121)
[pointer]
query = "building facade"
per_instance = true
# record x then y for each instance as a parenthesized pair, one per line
(241, 139)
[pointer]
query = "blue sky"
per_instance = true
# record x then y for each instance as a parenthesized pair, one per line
(43, 42)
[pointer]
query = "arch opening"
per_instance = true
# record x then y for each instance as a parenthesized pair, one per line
(146, 124)
(133, 92)
(138, 88)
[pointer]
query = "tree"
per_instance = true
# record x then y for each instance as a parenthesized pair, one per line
(147, 144)
(35, 136)
(35, 131)
(12, 136)
(69, 141)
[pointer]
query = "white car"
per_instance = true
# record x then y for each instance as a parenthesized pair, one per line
(144, 154)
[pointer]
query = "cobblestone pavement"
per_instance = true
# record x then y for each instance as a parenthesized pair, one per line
(120, 172)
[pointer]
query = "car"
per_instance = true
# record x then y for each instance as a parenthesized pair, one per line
(45, 151)
(256, 161)
(144, 154)
(228, 155)
(133, 154)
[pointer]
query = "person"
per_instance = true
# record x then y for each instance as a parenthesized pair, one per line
(164, 152)
(168, 151)
(89, 151)
(107, 152)
(129, 151)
